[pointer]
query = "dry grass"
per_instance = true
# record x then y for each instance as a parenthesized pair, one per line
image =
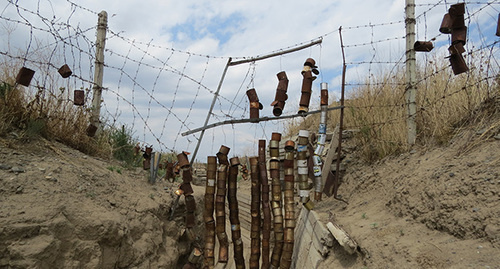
(445, 103)
(46, 111)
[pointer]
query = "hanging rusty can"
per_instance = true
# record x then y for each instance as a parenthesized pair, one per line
(458, 64)
(91, 130)
(234, 161)
(307, 80)
(255, 105)
(459, 35)
(498, 26)
(24, 76)
(65, 71)
(457, 10)
(186, 188)
(446, 24)
(183, 159)
(78, 97)
(425, 46)
(281, 96)
(457, 48)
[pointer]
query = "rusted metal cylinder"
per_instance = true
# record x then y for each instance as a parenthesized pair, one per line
(222, 155)
(169, 171)
(220, 220)
(457, 48)
(446, 24)
(457, 9)
(255, 228)
(307, 80)
(276, 199)
(91, 130)
(182, 159)
(281, 96)
(187, 175)
(498, 26)
(234, 214)
(459, 35)
(24, 76)
(190, 208)
(255, 105)
(186, 188)
(78, 97)
(266, 226)
(424, 46)
(289, 205)
(458, 64)
(65, 71)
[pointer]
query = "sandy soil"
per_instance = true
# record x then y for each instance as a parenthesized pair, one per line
(63, 209)
(425, 209)
(437, 208)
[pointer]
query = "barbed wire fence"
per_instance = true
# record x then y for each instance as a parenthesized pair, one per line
(161, 92)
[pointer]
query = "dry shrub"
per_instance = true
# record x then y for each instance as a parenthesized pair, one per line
(444, 103)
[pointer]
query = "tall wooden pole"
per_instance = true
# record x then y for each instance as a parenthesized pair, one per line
(411, 76)
(99, 68)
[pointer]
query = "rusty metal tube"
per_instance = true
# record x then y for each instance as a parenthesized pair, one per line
(220, 214)
(289, 202)
(234, 214)
(276, 200)
(281, 96)
(266, 226)
(255, 105)
(208, 213)
(320, 145)
(255, 229)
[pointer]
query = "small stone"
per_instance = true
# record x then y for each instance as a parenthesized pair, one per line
(19, 190)
(452, 174)
(480, 247)
(17, 169)
(480, 132)
(497, 137)
(475, 209)
(85, 157)
(5, 166)
(413, 151)
(42, 169)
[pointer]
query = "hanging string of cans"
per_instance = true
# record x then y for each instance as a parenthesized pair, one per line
(289, 204)
(454, 23)
(234, 214)
(320, 145)
(187, 191)
(302, 169)
(281, 96)
(220, 220)
(274, 168)
(255, 227)
(266, 226)
(208, 213)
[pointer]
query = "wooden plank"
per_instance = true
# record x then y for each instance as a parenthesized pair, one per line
(325, 178)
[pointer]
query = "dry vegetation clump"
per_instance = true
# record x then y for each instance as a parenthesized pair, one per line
(445, 103)
(48, 111)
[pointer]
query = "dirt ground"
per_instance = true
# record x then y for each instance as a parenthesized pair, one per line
(63, 209)
(437, 208)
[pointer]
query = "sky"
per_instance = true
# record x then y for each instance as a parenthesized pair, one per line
(164, 59)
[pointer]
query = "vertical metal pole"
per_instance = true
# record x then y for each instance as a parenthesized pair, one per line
(341, 125)
(99, 68)
(411, 77)
(193, 158)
